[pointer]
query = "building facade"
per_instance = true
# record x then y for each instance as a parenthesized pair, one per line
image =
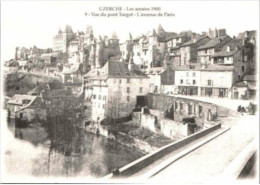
(61, 40)
(114, 89)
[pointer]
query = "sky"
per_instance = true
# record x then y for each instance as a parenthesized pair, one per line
(29, 23)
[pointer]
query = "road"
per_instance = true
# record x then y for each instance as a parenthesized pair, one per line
(207, 163)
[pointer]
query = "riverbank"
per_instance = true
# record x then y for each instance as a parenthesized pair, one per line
(129, 135)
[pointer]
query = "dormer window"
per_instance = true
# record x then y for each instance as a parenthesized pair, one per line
(228, 48)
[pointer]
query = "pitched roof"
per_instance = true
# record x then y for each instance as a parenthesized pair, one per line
(199, 67)
(167, 77)
(250, 78)
(213, 42)
(54, 85)
(191, 67)
(120, 69)
(235, 45)
(154, 70)
(241, 84)
(197, 39)
(35, 90)
(17, 99)
(218, 67)
(115, 70)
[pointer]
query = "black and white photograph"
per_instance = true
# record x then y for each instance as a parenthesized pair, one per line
(129, 92)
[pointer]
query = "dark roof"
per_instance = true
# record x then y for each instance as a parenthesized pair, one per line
(54, 85)
(249, 85)
(120, 69)
(35, 90)
(154, 70)
(218, 67)
(192, 42)
(213, 42)
(241, 84)
(193, 67)
(250, 78)
(173, 36)
(115, 69)
(235, 45)
(167, 77)
(199, 67)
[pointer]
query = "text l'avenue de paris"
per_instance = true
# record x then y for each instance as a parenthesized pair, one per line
(118, 11)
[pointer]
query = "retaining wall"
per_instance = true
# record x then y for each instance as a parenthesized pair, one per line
(144, 161)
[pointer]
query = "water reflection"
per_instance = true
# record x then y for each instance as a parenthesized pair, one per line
(70, 151)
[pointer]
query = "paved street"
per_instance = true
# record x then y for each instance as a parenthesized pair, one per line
(208, 162)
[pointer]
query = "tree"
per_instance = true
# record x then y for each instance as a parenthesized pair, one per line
(115, 108)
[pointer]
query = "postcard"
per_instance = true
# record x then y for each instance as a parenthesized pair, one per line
(129, 91)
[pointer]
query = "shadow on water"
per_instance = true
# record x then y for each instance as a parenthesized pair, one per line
(70, 151)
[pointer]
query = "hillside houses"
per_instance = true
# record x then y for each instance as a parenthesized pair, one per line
(105, 70)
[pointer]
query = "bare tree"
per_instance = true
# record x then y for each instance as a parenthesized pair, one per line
(115, 108)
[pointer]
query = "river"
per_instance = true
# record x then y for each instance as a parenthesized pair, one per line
(38, 151)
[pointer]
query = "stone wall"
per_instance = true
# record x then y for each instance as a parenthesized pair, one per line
(121, 138)
(173, 129)
(183, 107)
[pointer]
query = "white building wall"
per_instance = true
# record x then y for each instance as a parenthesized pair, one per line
(220, 79)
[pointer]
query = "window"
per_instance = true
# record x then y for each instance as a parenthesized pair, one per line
(239, 77)
(194, 74)
(140, 89)
(194, 82)
(99, 97)
(176, 105)
(104, 98)
(128, 98)
(120, 81)
(187, 74)
(94, 96)
(227, 58)
(128, 89)
(188, 81)
(243, 69)
(206, 51)
(209, 82)
(245, 58)
(181, 106)
(181, 81)
(128, 80)
(104, 106)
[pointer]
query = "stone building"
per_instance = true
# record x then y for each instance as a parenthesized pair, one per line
(216, 80)
(245, 89)
(176, 117)
(114, 89)
(188, 79)
(26, 107)
(61, 40)
(21, 53)
(149, 49)
(173, 45)
(214, 45)
(161, 80)
(188, 50)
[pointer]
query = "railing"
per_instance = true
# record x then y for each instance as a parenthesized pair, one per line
(146, 160)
